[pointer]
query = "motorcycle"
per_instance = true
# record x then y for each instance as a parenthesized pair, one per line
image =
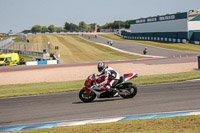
(122, 88)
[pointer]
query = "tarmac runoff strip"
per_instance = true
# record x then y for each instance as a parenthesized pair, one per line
(94, 121)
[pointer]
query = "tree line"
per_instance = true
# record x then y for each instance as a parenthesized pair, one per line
(82, 26)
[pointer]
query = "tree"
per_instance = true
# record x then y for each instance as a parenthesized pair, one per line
(26, 31)
(82, 25)
(88, 27)
(36, 28)
(107, 26)
(59, 29)
(67, 26)
(73, 27)
(92, 26)
(116, 25)
(51, 28)
(127, 24)
(45, 29)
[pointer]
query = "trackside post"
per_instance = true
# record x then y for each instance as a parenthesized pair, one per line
(198, 62)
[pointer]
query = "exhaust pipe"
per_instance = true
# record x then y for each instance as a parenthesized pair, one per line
(124, 93)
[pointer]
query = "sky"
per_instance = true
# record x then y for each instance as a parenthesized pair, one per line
(19, 15)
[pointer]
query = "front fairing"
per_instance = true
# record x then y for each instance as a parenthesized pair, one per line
(90, 80)
(100, 79)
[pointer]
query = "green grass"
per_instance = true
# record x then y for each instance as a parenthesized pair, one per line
(55, 87)
(74, 49)
(39, 88)
(182, 124)
(175, 46)
(16, 39)
(26, 58)
(175, 77)
(3, 37)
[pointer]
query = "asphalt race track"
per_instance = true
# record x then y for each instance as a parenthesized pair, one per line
(181, 96)
(67, 106)
(138, 48)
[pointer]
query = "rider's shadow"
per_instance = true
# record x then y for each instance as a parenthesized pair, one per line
(98, 101)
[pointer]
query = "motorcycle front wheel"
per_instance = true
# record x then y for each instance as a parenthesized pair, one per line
(129, 92)
(86, 98)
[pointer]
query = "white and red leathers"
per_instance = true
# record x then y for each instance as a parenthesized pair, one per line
(109, 73)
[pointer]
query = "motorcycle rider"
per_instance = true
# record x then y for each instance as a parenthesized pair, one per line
(109, 73)
(145, 51)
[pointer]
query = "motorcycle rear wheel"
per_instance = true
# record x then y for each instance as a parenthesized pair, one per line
(132, 89)
(83, 96)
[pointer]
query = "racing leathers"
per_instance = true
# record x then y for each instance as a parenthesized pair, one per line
(109, 73)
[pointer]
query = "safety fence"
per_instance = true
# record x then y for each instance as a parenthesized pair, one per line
(22, 36)
(4, 44)
(28, 49)
(21, 46)
(162, 39)
(27, 53)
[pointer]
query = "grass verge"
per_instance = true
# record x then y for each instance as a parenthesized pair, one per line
(16, 39)
(55, 87)
(183, 124)
(175, 46)
(26, 58)
(3, 38)
(74, 49)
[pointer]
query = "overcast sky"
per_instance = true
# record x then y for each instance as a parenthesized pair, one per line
(18, 15)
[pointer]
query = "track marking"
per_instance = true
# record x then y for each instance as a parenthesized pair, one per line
(100, 120)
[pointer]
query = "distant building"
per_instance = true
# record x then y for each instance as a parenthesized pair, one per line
(181, 25)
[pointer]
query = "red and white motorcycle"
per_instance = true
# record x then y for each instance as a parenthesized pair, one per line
(122, 88)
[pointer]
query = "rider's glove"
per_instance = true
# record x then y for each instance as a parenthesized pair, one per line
(98, 85)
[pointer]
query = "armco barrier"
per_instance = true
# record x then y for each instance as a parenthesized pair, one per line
(42, 62)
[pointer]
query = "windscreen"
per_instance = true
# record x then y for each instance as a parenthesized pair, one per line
(1, 59)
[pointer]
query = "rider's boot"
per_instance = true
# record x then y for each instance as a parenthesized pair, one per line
(115, 92)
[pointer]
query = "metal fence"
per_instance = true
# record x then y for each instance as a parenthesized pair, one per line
(27, 53)
(22, 36)
(23, 46)
(28, 49)
(4, 44)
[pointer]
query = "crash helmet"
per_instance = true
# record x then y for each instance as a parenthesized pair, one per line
(101, 67)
